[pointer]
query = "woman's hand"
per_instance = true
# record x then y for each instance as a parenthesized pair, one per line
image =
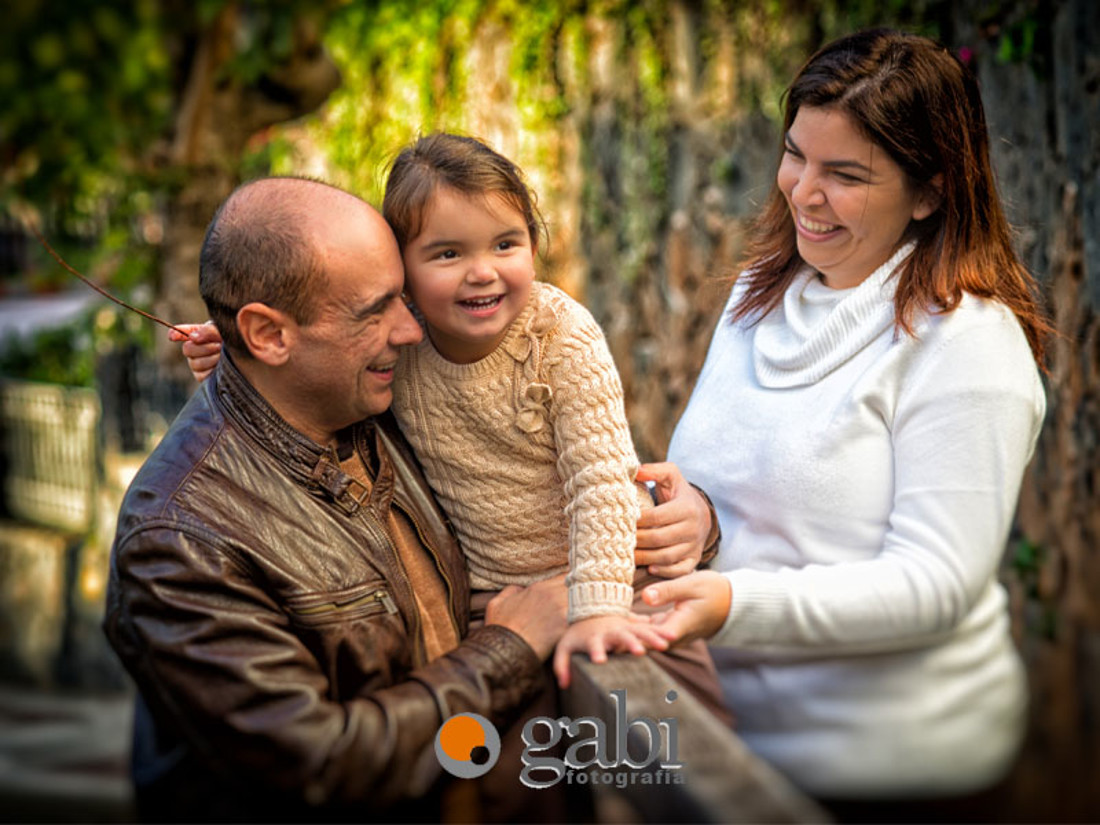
(672, 535)
(701, 603)
(599, 635)
(202, 347)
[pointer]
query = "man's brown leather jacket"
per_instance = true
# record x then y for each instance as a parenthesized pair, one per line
(265, 616)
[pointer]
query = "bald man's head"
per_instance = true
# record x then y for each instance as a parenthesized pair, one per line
(266, 244)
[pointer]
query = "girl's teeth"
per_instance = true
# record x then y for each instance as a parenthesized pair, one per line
(482, 302)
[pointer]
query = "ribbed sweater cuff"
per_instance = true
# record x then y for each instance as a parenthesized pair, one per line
(756, 607)
(587, 599)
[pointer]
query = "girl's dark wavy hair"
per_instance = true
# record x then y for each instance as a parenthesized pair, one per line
(458, 162)
(913, 98)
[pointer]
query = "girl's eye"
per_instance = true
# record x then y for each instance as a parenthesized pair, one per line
(504, 246)
(447, 255)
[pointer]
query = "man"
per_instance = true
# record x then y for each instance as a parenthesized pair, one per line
(284, 590)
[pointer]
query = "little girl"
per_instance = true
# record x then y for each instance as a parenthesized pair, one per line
(511, 401)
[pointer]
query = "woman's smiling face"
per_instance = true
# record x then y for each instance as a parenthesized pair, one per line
(850, 202)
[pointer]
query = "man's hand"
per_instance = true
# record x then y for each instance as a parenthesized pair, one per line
(202, 347)
(672, 535)
(599, 635)
(701, 605)
(536, 612)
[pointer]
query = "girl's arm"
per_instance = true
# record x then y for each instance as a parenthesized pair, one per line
(595, 461)
(202, 348)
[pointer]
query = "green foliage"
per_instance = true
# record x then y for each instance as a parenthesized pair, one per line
(68, 354)
(264, 33)
(1018, 31)
(842, 16)
(86, 86)
(1026, 565)
(1027, 559)
(63, 355)
(401, 76)
(91, 86)
(1017, 41)
(91, 90)
(415, 67)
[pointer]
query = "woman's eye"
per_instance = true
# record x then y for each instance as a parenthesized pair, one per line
(844, 177)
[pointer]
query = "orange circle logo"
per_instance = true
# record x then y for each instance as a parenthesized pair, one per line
(467, 745)
(459, 736)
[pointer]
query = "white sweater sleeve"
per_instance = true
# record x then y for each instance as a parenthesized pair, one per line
(965, 425)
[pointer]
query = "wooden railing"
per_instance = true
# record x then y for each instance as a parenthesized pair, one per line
(715, 778)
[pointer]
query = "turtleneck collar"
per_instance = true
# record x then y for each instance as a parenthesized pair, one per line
(817, 329)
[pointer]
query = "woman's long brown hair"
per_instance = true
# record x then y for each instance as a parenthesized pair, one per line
(921, 105)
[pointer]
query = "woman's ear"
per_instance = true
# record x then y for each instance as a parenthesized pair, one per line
(268, 333)
(930, 197)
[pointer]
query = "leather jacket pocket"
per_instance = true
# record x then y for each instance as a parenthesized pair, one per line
(314, 609)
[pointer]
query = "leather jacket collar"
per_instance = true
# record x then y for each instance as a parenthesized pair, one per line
(314, 466)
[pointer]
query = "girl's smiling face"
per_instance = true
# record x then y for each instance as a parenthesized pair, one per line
(469, 271)
(850, 202)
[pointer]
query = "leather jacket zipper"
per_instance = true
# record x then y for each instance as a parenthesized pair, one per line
(438, 563)
(380, 598)
(371, 523)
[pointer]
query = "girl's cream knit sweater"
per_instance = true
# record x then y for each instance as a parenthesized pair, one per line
(530, 455)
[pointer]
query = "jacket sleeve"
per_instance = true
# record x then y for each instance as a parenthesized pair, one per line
(212, 651)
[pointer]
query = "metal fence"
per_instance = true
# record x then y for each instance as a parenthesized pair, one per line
(50, 440)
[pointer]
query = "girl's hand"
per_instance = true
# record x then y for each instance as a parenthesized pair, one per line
(600, 635)
(701, 604)
(202, 347)
(672, 535)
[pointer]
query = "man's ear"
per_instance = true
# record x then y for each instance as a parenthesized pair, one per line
(930, 198)
(269, 334)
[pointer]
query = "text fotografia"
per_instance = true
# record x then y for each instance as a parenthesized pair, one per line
(591, 750)
(620, 779)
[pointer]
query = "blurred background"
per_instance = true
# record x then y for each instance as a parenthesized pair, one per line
(650, 131)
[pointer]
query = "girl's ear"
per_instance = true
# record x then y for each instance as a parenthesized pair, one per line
(268, 333)
(930, 197)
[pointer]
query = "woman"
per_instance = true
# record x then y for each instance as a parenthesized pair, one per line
(862, 424)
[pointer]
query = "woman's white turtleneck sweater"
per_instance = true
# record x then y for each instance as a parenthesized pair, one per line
(865, 481)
